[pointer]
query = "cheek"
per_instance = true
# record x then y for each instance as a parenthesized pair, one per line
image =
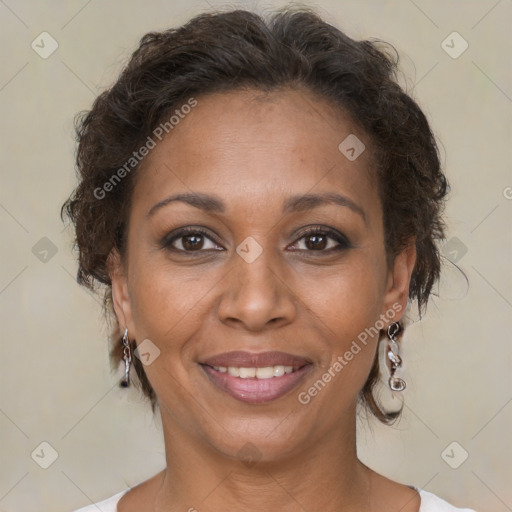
(351, 295)
(350, 311)
(169, 306)
(163, 307)
(162, 297)
(350, 344)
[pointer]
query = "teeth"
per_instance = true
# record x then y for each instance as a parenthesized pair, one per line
(268, 372)
(235, 372)
(246, 373)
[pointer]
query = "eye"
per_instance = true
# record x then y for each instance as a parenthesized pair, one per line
(195, 239)
(190, 239)
(321, 239)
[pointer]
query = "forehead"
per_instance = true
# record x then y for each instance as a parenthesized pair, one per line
(249, 146)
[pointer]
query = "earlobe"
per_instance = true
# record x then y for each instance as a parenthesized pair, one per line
(399, 278)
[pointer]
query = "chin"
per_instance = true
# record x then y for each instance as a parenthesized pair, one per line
(262, 435)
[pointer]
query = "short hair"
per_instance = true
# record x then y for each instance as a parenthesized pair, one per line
(235, 50)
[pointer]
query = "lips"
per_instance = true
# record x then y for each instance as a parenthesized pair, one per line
(232, 373)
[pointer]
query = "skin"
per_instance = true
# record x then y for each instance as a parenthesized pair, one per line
(253, 151)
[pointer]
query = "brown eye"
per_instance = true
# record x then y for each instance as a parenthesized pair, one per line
(192, 242)
(189, 240)
(322, 240)
(316, 241)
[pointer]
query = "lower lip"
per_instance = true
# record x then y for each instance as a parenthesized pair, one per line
(252, 390)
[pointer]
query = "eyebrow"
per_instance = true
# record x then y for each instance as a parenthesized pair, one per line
(293, 204)
(310, 201)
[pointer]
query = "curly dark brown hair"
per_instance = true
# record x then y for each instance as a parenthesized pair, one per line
(238, 49)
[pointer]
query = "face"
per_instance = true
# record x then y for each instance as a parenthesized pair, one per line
(257, 287)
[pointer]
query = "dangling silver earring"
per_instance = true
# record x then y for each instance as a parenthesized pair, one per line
(127, 358)
(395, 383)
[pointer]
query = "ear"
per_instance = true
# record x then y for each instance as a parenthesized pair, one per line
(120, 292)
(399, 278)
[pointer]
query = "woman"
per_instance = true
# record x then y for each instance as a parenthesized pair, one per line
(261, 201)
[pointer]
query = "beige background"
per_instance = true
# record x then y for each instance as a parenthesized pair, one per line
(55, 381)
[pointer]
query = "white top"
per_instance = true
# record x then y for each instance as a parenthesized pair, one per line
(429, 503)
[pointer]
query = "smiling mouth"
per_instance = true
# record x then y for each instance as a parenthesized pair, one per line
(266, 372)
(256, 384)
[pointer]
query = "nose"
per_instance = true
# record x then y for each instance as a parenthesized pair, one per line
(257, 296)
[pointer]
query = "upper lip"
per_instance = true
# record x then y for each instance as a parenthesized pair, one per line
(240, 358)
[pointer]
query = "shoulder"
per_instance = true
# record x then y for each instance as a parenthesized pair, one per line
(431, 503)
(108, 505)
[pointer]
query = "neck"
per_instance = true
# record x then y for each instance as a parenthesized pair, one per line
(324, 476)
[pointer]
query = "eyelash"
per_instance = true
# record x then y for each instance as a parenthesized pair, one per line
(343, 242)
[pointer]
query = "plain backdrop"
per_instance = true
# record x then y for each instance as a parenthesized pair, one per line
(56, 387)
